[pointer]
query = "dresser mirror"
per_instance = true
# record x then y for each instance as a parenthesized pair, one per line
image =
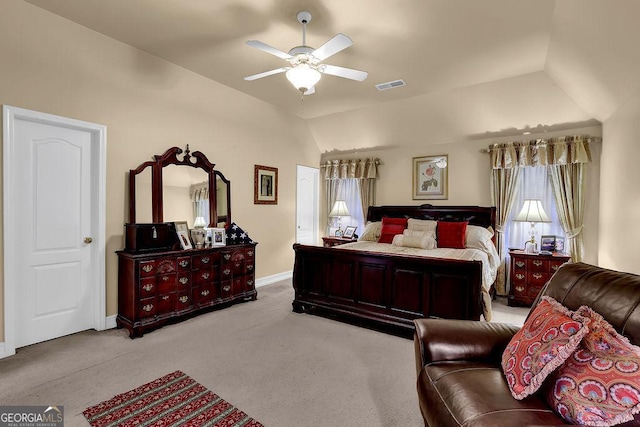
(176, 186)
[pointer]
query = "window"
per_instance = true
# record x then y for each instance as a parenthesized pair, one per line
(349, 191)
(535, 183)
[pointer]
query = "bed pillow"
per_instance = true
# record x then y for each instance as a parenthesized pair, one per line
(416, 241)
(422, 225)
(548, 337)
(451, 234)
(371, 231)
(391, 227)
(477, 237)
(599, 385)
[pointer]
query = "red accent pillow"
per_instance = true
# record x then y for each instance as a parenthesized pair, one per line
(546, 340)
(599, 385)
(391, 227)
(451, 234)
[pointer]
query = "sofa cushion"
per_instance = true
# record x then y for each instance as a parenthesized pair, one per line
(599, 385)
(546, 340)
(474, 394)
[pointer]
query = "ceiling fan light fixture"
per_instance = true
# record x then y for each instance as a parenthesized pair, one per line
(303, 77)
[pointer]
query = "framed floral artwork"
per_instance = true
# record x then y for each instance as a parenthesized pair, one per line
(430, 177)
(265, 185)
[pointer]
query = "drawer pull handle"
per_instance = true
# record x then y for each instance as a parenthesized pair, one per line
(250, 282)
(555, 267)
(205, 293)
(147, 307)
(165, 278)
(537, 263)
(206, 260)
(227, 257)
(147, 287)
(166, 297)
(238, 264)
(226, 288)
(184, 299)
(147, 268)
(537, 276)
(519, 288)
(520, 276)
(226, 271)
(249, 267)
(250, 253)
(184, 263)
(519, 264)
(205, 275)
(184, 280)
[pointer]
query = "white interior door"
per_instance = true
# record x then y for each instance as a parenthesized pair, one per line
(56, 277)
(307, 205)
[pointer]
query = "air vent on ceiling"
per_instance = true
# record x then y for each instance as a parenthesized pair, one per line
(391, 85)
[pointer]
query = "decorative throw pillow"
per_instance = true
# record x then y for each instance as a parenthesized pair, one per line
(391, 227)
(371, 231)
(599, 385)
(422, 225)
(546, 340)
(409, 232)
(409, 241)
(451, 234)
(477, 237)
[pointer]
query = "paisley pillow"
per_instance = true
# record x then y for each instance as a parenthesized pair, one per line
(599, 385)
(548, 337)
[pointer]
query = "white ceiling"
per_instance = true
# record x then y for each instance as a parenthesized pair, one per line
(586, 47)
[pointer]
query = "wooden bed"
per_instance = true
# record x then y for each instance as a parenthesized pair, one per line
(388, 289)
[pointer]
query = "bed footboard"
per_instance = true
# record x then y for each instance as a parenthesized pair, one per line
(385, 289)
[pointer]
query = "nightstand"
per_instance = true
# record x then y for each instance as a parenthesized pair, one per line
(529, 273)
(330, 241)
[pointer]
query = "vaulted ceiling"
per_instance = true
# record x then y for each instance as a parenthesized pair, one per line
(470, 66)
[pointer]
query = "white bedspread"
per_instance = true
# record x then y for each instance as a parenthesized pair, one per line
(490, 260)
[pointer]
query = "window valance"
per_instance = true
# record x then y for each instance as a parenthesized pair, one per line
(199, 191)
(541, 152)
(351, 168)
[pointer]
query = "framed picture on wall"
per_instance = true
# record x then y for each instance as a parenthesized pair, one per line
(265, 185)
(430, 177)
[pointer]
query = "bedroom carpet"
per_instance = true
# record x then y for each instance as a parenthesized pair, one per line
(282, 368)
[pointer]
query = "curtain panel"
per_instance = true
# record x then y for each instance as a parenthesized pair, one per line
(566, 158)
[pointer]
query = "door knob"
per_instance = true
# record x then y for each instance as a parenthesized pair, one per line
(88, 240)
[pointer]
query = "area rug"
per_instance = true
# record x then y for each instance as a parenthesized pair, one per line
(173, 400)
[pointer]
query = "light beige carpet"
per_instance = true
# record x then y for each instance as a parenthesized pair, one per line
(283, 368)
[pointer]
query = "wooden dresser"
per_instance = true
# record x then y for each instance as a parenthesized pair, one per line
(160, 287)
(529, 273)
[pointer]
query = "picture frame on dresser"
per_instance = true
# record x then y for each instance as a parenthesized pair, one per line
(185, 240)
(349, 231)
(218, 237)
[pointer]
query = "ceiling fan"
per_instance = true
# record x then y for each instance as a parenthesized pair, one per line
(305, 67)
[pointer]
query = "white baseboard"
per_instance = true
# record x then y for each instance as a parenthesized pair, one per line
(110, 322)
(264, 281)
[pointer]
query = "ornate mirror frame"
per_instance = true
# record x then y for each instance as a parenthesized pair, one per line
(170, 157)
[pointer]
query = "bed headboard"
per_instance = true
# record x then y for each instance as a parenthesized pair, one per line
(476, 215)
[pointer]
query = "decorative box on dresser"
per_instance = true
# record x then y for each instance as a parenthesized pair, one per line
(160, 287)
(529, 273)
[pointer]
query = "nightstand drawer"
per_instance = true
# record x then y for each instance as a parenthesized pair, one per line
(537, 265)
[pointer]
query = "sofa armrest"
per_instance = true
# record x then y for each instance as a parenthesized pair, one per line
(446, 339)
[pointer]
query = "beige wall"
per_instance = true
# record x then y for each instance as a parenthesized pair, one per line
(149, 105)
(620, 200)
(469, 175)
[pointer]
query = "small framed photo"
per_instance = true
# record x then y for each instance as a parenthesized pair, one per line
(265, 185)
(552, 243)
(430, 177)
(218, 236)
(185, 241)
(349, 232)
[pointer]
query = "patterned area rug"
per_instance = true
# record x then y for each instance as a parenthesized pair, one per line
(173, 400)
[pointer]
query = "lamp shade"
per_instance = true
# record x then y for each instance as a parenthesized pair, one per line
(532, 211)
(199, 222)
(339, 209)
(303, 77)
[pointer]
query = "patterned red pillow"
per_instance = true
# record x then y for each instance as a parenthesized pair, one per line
(391, 227)
(546, 340)
(451, 234)
(599, 385)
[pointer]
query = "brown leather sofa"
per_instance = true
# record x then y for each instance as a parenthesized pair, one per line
(460, 381)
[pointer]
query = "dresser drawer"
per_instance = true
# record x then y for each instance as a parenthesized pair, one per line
(204, 294)
(205, 261)
(184, 281)
(250, 282)
(166, 303)
(538, 279)
(184, 300)
(226, 289)
(166, 283)
(147, 307)
(203, 276)
(147, 268)
(166, 266)
(147, 287)
(225, 272)
(555, 265)
(537, 265)
(184, 263)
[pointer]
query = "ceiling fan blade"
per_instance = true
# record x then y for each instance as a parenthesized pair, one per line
(347, 73)
(336, 44)
(266, 73)
(269, 49)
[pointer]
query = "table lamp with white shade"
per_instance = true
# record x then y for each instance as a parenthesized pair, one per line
(339, 210)
(532, 212)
